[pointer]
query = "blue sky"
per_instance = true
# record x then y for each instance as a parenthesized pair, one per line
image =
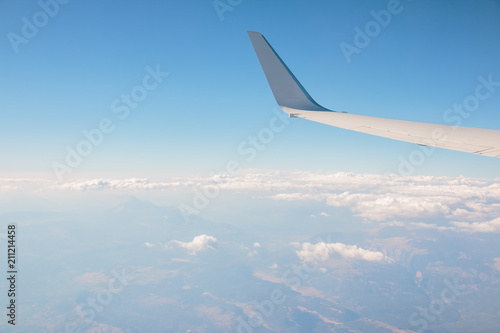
(205, 249)
(65, 78)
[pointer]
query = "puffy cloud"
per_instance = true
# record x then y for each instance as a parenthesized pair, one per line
(322, 251)
(488, 226)
(393, 197)
(496, 264)
(198, 244)
(379, 207)
(256, 244)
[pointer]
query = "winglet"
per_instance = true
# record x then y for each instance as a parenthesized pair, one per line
(287, 90)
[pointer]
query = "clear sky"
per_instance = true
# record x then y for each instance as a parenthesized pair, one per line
(136, 104)
(63, 77)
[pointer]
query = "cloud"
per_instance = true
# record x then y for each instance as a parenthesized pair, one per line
(430, 226)
(253, 253)
(392, 197)
(9, 188)
(322, 251)
(180, 260)
(488, 226)
(380, 198)
(496, 265)
(473, 227)
(320, 214)
(101, 327)
(256, 244)
(380, 207)
(198, 244)
(113, 184)
(91, 278)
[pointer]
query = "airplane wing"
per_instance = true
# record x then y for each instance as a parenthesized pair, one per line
(294, 100)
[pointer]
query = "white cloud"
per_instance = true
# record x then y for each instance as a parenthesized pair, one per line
(9, 188)
(322, 251)
(379, 206)
(149, 244)
(488, 226)
(430, 226)
(496, 265)
(393, 224)
(320, 214)
(384, 198)
(114, 184)
(198, 244)
(392, 197)
(180, 260)
(256, 244)
(253, 253)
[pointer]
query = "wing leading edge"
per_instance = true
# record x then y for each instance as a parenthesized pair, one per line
(294, 100)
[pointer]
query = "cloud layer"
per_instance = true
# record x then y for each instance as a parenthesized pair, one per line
(461, 203)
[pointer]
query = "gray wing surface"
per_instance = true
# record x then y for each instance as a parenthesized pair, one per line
(294, 100)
